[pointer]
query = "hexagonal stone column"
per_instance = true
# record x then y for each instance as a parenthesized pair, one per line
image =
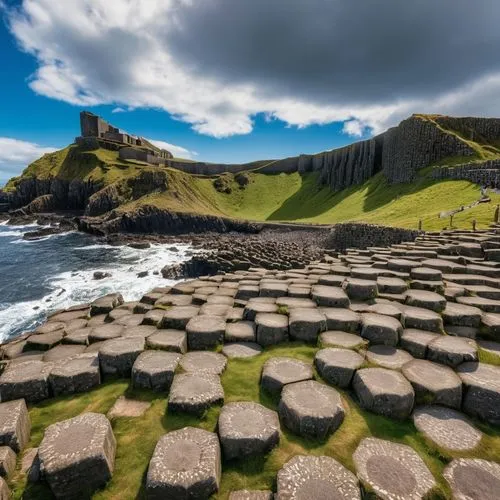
(203, 362)
(272, 328)
(15, 424)
(185, 464)
(416, 341)
(311, 409)
(155, 370)
(78, 455)
(447, 428)
(392, 471)
(28, 380)
(452, 351)
(422, 319)
(78, 374)
(310, 477)
(247, 428)
(360, 289)
(168, 340)
(387, 356)
(277, 372)
(380, 329)
(434, 383)
(117, 356)
(341, 339)
(473, 479)
(329, 296)
(384, 391)
(338, 318)
(481, 391)
(178, 317)
(205, 332)
(306, 324)
(194, 393)
(426, 299)
(7, 461)
(104, 305)
(337, 366)
(251, 495)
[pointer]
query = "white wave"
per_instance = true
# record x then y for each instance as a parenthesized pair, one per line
(10, 233)
(77, 287)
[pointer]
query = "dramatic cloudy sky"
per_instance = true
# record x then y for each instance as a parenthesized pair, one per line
(238, 80)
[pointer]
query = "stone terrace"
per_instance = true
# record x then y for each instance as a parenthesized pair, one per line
(407, 335)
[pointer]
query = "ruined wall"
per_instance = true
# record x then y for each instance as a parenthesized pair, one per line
(485, 174)
(359, 235)
(475, 129)
(416, 143)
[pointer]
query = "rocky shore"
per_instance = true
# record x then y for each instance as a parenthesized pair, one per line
(404, 399)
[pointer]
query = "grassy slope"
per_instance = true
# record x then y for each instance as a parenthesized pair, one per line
(137, 437)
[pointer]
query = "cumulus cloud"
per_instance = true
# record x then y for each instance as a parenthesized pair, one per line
(15, 155)
(177, 151)
(217, 63)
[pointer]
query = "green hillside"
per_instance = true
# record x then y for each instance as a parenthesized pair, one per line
(279, 197)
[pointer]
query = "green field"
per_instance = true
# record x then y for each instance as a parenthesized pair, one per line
(279, 197)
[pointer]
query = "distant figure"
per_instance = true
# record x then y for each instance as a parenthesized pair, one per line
(484, 192)
(497, 212)
(420, 225)
(474, 225)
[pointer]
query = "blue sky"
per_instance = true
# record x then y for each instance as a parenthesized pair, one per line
(227, 81)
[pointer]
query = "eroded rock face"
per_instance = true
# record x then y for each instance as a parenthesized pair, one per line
(316, 477)
(77, 455)
(185, 464)
(28, 380)
(155, 370)
(278, 372)
(15, 425)
(393, 471)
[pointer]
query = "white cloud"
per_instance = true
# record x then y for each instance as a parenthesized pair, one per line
(129, 54)
(118, 110)
(177, 151)
(15, 155)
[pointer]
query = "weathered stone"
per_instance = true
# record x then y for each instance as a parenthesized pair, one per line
(247, 428)
(7, 461)
(391, 285)
(194, 393)
(310, 477)
(117, 356)
(452, 350)
(380, 329)
(155, 370)
(447, 428)
(416, 341)
(341, 339)
(385, 392)
(241, 331)
(461, 315)
(385, 309)
(241, 350)
(106, 304)
(392, 471)
(77, 374)
(125, 407)
(294, 302)
(272, 328)
(359, 289)
(4, 490)
(253, 308)
(473, 479)
(306, 324)
(28, 380)
(203, 362)
(77, 455)
(422, 319)
(311, 409)
(337, 366)
(153, 317)
(426, 300)
(387, 356)
(78, 337)
(30, 465)
(434, 383)
(168, 340)
(43, 341)
(62, 352)
(481, 391)
(273, 289)
(105, 332)
(426, 274)
(329, 296)
(178, 317)
(251, 495)
(277, 372)
(205, 332)
(186, 464)
(341, 319)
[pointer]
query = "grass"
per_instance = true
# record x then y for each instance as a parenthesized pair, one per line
(137, 437)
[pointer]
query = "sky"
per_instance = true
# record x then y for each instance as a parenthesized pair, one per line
(239, 80)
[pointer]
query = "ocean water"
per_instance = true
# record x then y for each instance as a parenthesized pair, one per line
(38, 277)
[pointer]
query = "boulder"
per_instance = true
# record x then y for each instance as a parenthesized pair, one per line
(28, 380)
(247, 428)
(7, 461)
(105, 304)
(77, 455)
(186, 464)
(43, 341)
(311, 409)
(155, 370)
(15, 425)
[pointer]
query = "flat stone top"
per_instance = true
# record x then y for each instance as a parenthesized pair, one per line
(63, 352)
(251, 495)
(420, 336)
(184, 457)
(447, 428)
(139, 331)
(455, 309)
(271, 320)
(206, 323)
(341, 339)
(381, 320)
(26, 371)
(287, 370)
(341, 314)
(458, 345)
(10, 412)
(157, 361)
(382, 381)
(247, 420)
(311, 397)
(122, 345)
(306, 315)
(434, 375)
(193, 388)
(332, 356)
(203, 362)
(424, 296)
(480, 375)
(182, 312)
(420, 313)
(328, 291)
(76, 365)
(294, 302)
(393, 471)
(473, 479)
(241, 350)
(307, 477)
(385, 309)
(388, 356)
(76, 439)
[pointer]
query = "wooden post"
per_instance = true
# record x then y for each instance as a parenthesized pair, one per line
(497, 213)
(420, 224)
(474, 225)
(451, 221)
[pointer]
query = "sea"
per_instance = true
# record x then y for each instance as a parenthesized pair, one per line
(41, 276)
